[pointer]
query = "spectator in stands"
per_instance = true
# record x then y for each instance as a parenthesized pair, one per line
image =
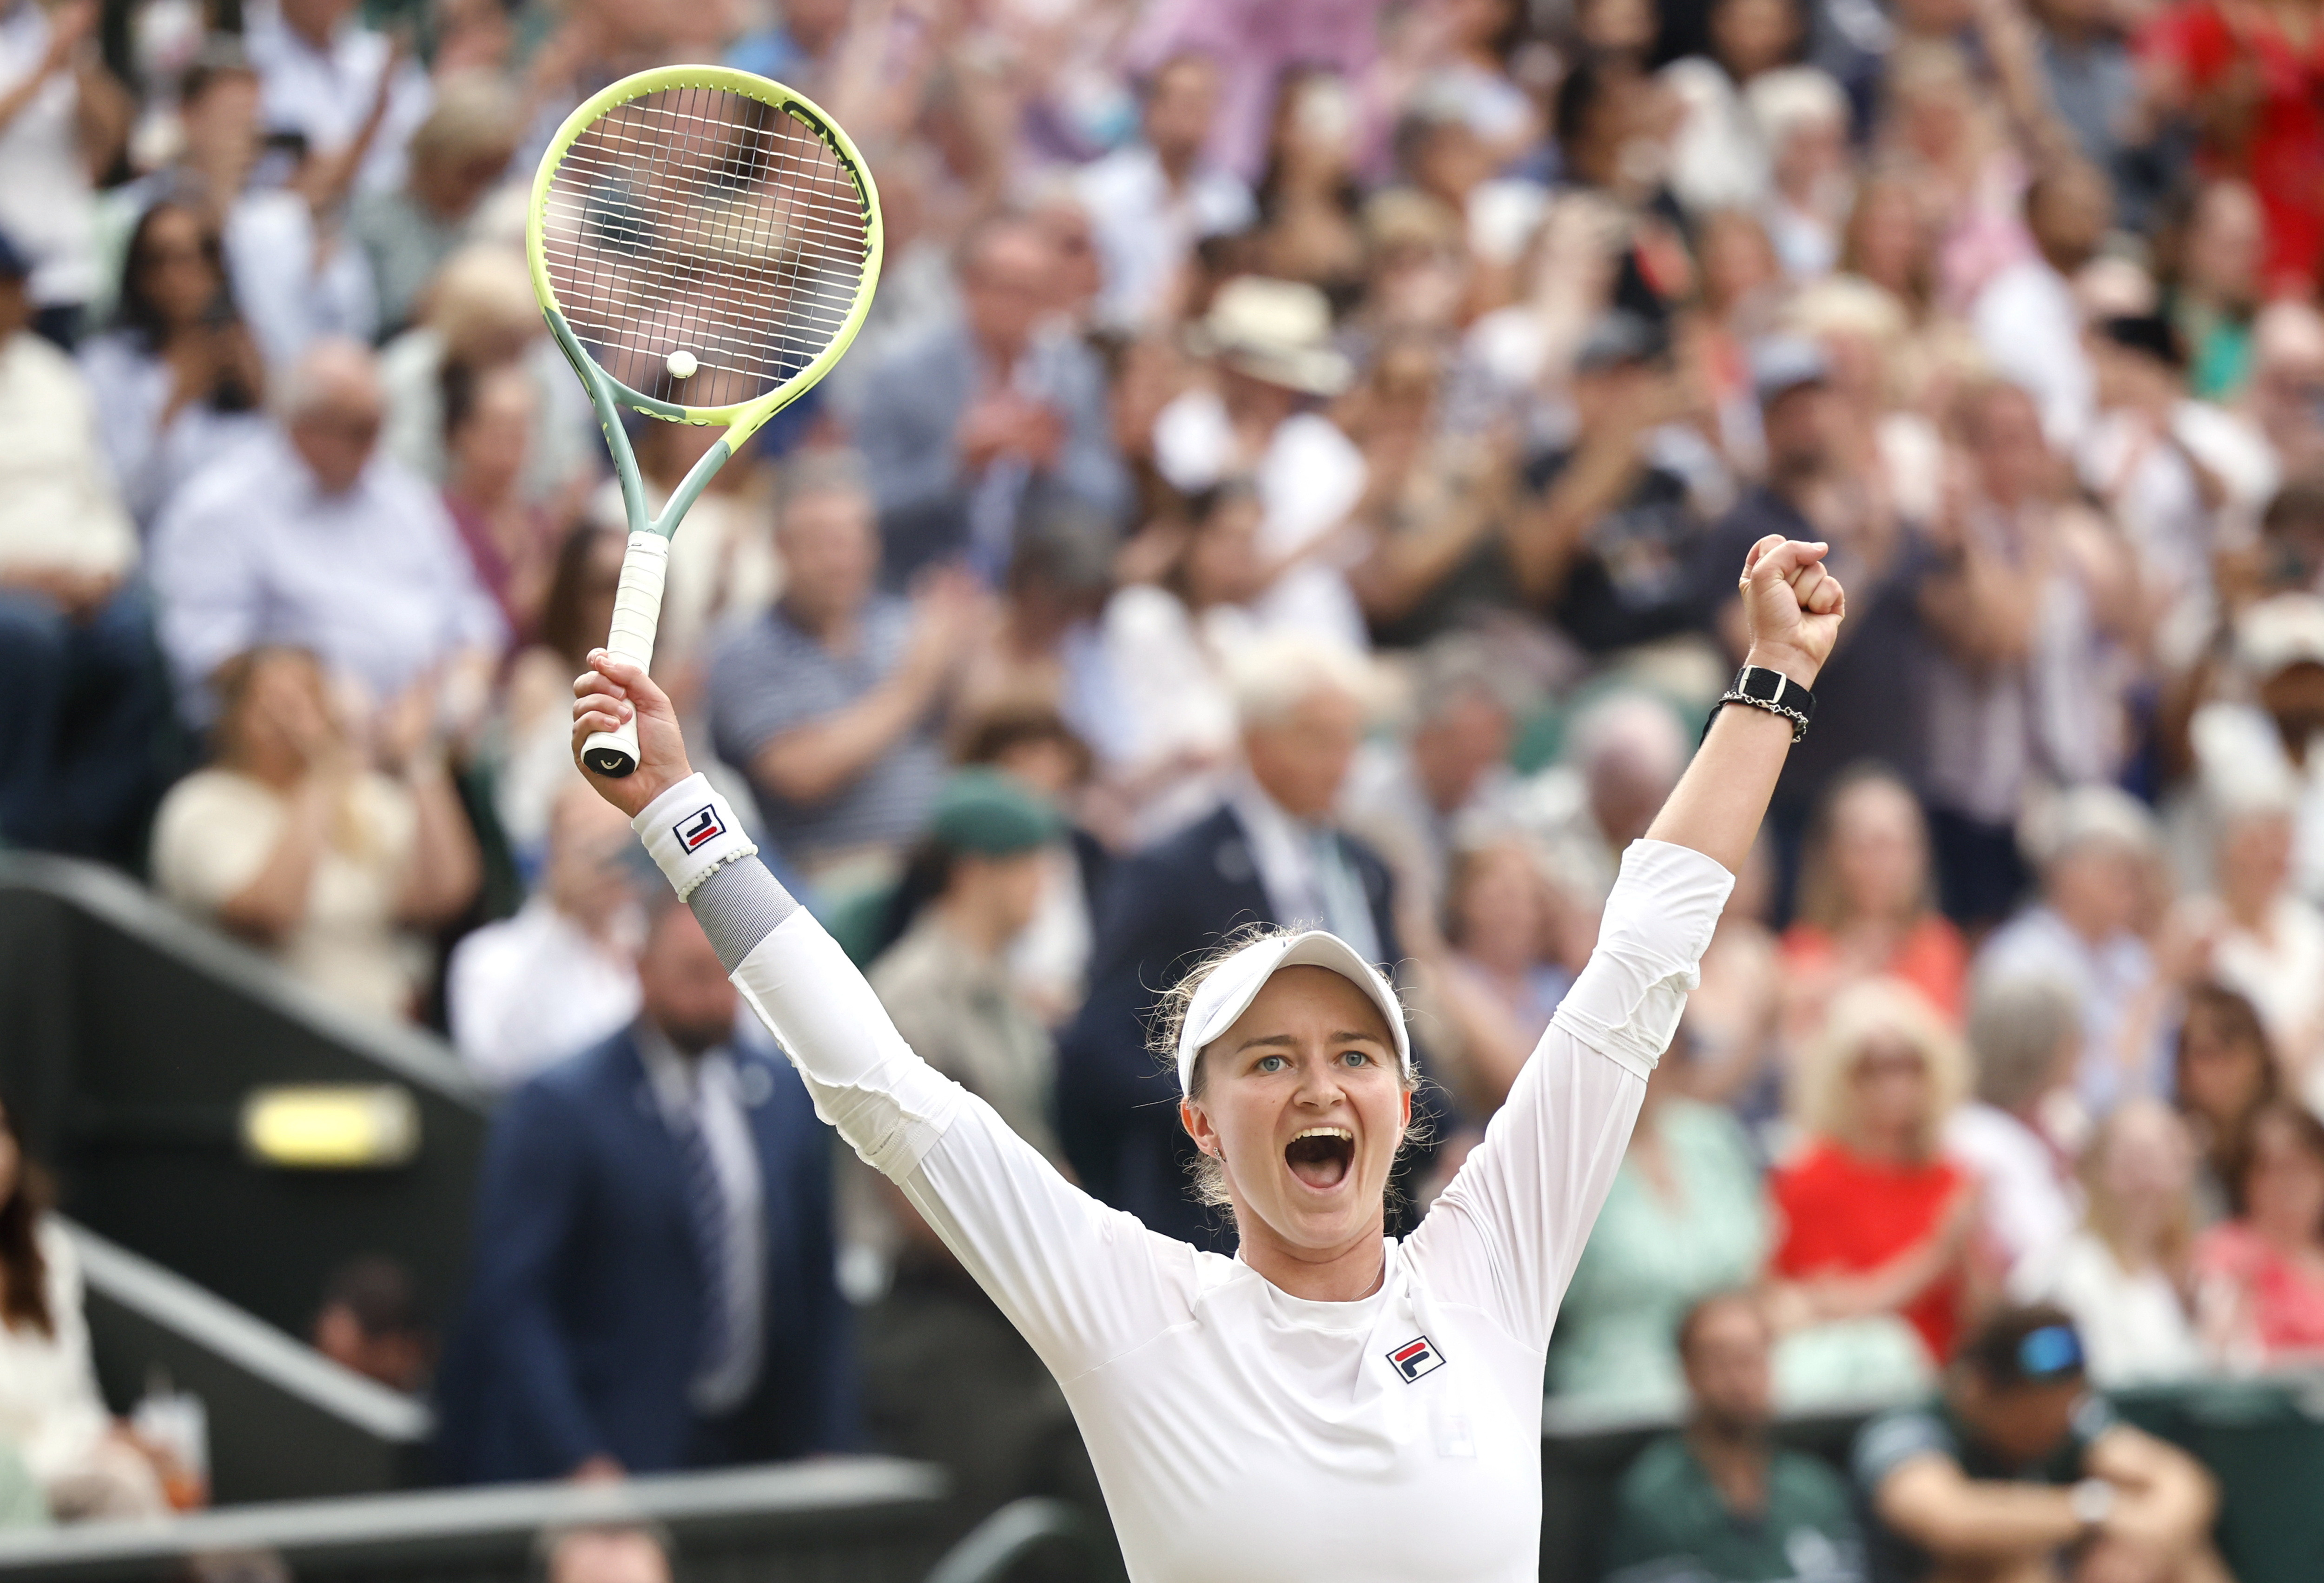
(631, 1553)
(2270, 734)
(1867, 898)
(63, 120)
(1875, 1219)
(1687, 1218)
(1150, 201)
(369, 1321)
(2019, 1461)
(945, 983)
(523, 993)
(456, 156)
(653, 1284)
(2223, 1075)
(1626, 752)
(2260, 1276)
(326, 851)
(2094, 847)
(2026, 1036)
(1719, 1502)
(1503, 970)
(2123, 1275)
(958, 425)
(2027, 319)
(311, 538)
(51, 1414)
(1269, 854)
(75, 639)
(1611, 548)
(530, 746)
(1170, 737)
(178, 378)
(2266, 940)
(826, 700)
(338, 84)
(511, 542)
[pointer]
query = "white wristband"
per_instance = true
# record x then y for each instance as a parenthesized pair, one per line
(692, 833)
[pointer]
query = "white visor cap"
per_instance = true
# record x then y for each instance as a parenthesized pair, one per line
(1235, 983)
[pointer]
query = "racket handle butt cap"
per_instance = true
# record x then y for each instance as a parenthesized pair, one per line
(612, 754)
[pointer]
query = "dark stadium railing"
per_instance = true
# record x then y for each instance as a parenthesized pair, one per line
(865, 1520)
(132, 1039)
(1059, 1533)
(285, 1421)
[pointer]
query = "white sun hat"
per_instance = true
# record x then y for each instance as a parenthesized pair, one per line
(1234, 983)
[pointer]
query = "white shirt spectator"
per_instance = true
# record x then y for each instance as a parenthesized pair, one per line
(57, 510)
(2029, 324)
(132, 386)
(375, 581)
(2240, 739)
(328, 94)
(2283, 976)
(2134, 1328)
(1718, 159)
(2031, 1203)
(293, 288)
(1171, 704)
(2106, 980)
(47, 206)
(526, 992)
(1145, 230)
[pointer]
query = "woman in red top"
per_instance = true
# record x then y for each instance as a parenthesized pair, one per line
(1866, 905)
(2259, 1278)
(2251, 75)
(1873, 1218)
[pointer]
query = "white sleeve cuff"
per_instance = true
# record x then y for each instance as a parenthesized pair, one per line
(692, 833)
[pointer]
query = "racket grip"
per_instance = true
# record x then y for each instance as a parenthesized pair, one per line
(637, 612)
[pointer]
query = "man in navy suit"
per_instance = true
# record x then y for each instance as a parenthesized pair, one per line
(1270, 854)
(653, 1284)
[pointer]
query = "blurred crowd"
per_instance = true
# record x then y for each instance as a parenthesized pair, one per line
(1295, 468)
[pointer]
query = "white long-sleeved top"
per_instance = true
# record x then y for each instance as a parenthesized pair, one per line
(1239, 1432)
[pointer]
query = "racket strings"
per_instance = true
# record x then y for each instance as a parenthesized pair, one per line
(702, 220)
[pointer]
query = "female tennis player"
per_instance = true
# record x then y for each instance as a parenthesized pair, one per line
(1331, 1403)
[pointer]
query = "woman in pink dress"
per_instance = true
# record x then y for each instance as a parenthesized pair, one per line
(2260, 1276)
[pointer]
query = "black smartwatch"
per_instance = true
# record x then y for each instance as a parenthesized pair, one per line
(1772, 690)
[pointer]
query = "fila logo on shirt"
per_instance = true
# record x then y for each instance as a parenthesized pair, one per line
(1417, 1357)
(698, 828)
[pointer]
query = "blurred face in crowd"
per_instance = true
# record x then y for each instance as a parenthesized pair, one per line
(280, 723)
(2294, 699)
(2147, 1162)
(486, 452)
(1458, 741)
(1301, 1100)
(334, 425)
(1078, 272)
(1616, 26)
(1885, 237)
(2255, 856)
(2225, 240)
(2097, 885)
(1300, 757)
(173, 267)
(1628, 778)
(831, 553)
(1005, 891)
(1730, 1377)
(2283, 1178)
(684, 986)
(1222, 560)
(1798, 424)
(221, 122)
(619, 1555)
(2023, 1423)
(315, 20)
(589, 877)
(397, 1359)
(2068, 211)
(1008, 282)
(1498, 908)
(1890, 1094)
(1753, 36)
(2013, 459)
(1179, 105)
(2223, 1064)
(1738, 262)
(1315, 131)
(1879, 857)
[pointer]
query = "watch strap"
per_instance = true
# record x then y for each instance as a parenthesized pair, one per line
(1761, 688)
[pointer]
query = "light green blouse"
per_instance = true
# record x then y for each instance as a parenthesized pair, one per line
(1649, 1259)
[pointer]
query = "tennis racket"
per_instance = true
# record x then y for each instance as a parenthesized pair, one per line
(704, 244)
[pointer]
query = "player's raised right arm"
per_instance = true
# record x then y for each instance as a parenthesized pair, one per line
(1076, 1278)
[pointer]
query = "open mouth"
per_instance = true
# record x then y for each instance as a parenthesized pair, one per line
(1322, 1157)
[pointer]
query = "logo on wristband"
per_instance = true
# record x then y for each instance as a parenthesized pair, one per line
(699, 828)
